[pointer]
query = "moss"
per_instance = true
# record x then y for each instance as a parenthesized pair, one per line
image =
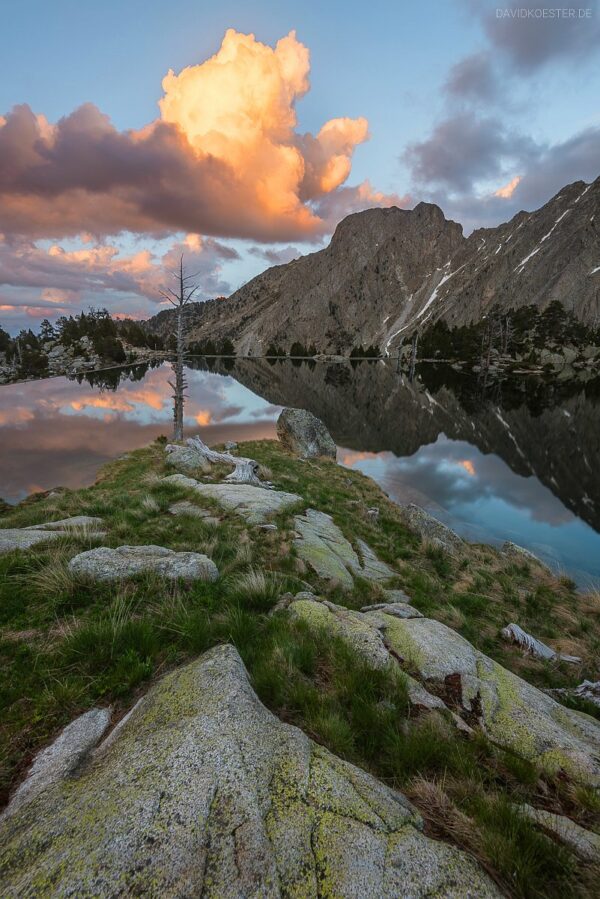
(505, 713)
(401, 642)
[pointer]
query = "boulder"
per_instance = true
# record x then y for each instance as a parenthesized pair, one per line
(396, 596)
(254, 504)
(321, 544)
(515, 714)
(588, 690)
(201, 791)
(187, 459)
(303, 434)
(106, 564)
(429, 528)
(353, 628)
(185, 507)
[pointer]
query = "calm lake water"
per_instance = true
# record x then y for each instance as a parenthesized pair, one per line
(511, 460)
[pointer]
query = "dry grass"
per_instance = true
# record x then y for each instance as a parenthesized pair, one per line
(149, 504)
(55, 578)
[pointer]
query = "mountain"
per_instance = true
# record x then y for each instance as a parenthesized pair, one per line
(388, 271)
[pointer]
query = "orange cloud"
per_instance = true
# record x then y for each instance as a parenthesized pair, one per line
(468, 466)
(508, 190)
(203, 417)
(351, 457)
(224, 158)
(125, 401)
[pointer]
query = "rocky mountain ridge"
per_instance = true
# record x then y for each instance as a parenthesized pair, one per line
(389, 272)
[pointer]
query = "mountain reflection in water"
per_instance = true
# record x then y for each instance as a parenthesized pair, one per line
(516, 459)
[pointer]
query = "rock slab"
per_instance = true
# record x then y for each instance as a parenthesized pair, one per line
(106, 564)
(305, 435)
(203, 792)
(25, 538)
(429, 528)
(514, 714)
(321, 544)
(254, 504)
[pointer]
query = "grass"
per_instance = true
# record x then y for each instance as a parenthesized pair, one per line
(67, 644)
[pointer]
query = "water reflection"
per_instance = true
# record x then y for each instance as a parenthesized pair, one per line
(515, 459)
(60, 431)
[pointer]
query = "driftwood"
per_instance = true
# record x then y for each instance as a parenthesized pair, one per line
(245, 471)
(515, 634)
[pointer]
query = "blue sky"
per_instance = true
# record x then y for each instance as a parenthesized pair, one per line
(459, 102)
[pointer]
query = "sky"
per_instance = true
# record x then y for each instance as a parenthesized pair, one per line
(240, 134)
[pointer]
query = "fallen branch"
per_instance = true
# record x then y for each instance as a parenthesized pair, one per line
(515, 634)
(245, 471)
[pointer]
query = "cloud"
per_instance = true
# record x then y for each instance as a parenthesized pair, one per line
(530, 34)
(464, 149)
(473, 79)
(335, 206)
(224, 158)
(507, 190)
(47, 282)
(276, 257)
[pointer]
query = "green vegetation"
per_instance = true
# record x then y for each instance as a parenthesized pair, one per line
(519, 334)
(210, 348)
(67, 644)
(80, 336)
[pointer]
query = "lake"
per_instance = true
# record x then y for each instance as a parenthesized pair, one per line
(512, 459)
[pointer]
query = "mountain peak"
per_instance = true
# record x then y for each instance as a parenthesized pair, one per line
(390, 271)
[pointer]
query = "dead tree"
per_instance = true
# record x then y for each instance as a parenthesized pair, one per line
(179, 299)
(413, 356)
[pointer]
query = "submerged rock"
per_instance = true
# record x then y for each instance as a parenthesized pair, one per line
(429, 528)
(321, 544)
(106, 564)
(202, 791)
(254, 504)
(305, 435)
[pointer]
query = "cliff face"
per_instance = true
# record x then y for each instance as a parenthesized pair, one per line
(388, 271)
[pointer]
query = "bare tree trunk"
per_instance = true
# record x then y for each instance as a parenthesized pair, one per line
(179, 382)
(413, 356)
(179, 299)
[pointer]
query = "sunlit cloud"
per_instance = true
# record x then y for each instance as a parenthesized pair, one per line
(468, 466)
(508, 190)
(224, 158)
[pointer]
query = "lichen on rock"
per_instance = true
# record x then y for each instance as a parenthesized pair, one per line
(204, 792)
